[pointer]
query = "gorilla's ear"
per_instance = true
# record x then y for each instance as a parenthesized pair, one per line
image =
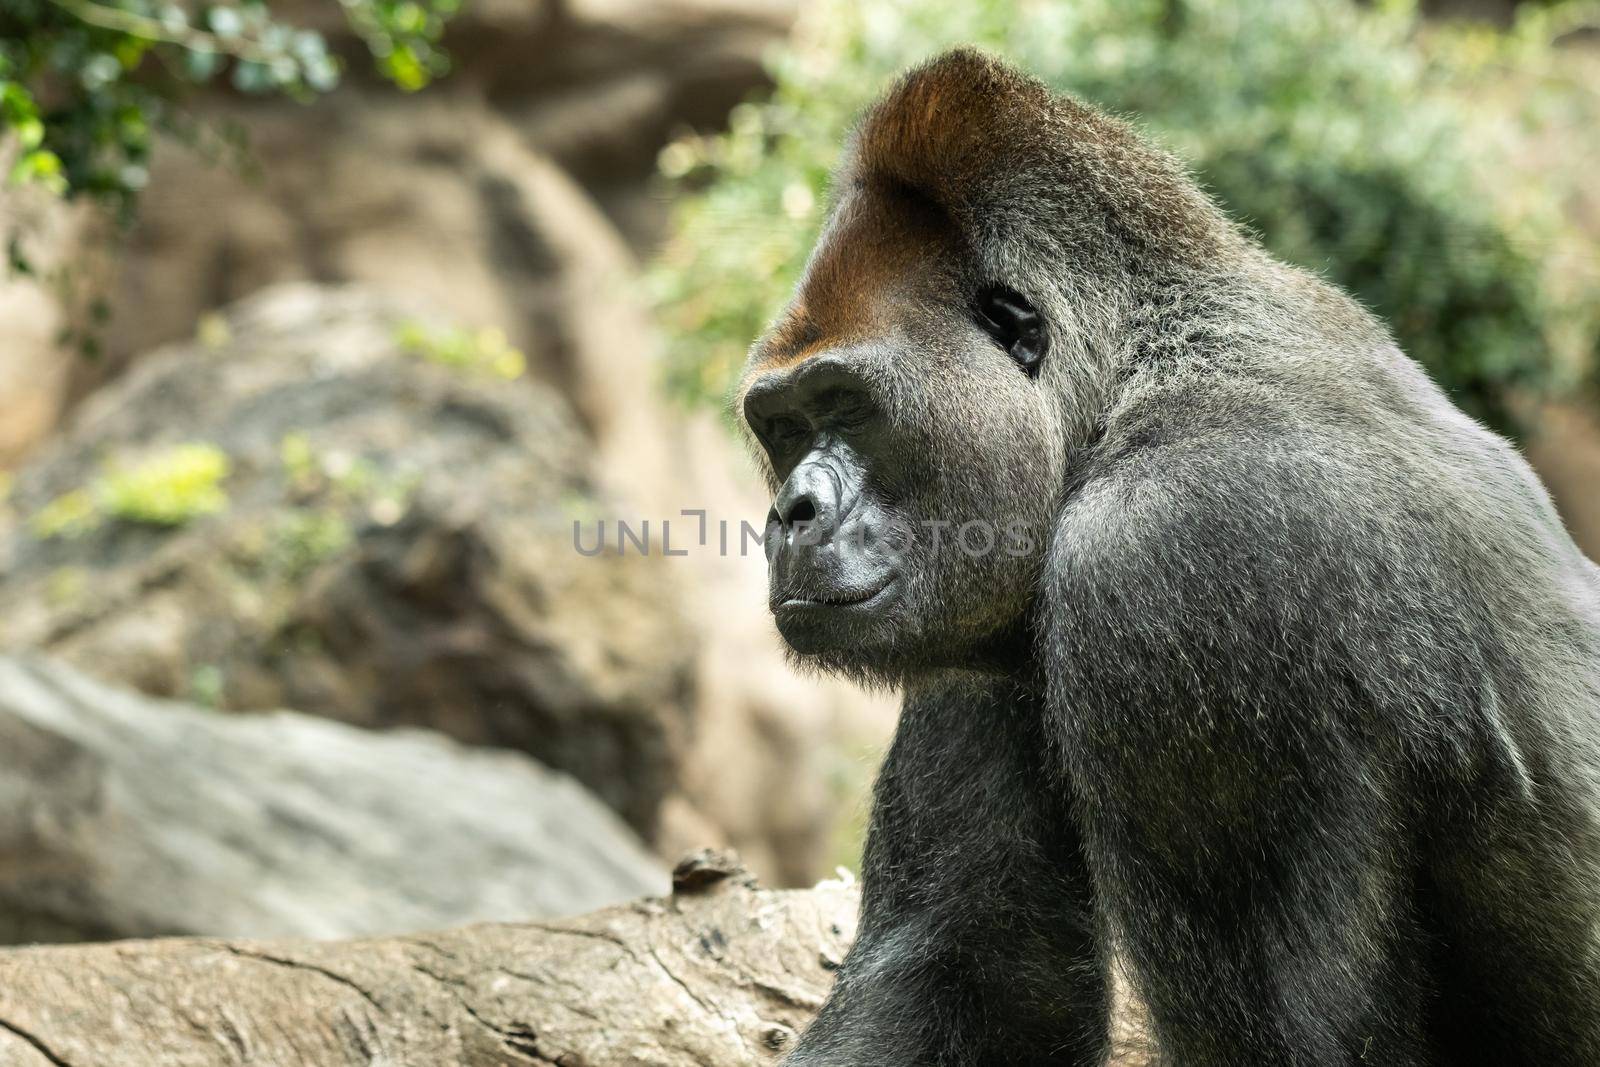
(949, 126)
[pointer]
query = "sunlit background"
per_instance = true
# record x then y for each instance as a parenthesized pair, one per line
(326, 324)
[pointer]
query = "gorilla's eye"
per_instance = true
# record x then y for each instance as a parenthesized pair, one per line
(1006, 316)
(784, 432)
(850, 409)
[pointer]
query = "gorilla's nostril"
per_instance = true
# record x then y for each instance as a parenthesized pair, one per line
(803, 510)
(810, 497)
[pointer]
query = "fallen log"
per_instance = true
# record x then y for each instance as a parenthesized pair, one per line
(719, 974)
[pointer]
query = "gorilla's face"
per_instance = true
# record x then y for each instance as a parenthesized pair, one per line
(914, 452)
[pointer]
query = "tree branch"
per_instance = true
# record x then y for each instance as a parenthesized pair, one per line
(150, 29)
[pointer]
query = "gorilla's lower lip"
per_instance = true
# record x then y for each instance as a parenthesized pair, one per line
(840, 600)
(811, 626)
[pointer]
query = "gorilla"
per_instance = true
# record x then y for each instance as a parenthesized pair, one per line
(1241, 670)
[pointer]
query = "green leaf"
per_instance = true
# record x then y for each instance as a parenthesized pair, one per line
(100, 71)
(40, 166)
(225, 22)
(404, 69)
(202, 64)
(29, 132)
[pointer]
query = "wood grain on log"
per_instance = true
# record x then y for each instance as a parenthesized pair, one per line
(719, 974)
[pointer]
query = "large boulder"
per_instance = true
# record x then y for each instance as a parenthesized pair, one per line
(123, 816)
(392, 544)
(431, 195)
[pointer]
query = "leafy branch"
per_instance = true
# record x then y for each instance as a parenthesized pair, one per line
(85, 84)
(153, 30)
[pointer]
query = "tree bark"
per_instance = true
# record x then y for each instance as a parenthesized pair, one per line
(718, 974)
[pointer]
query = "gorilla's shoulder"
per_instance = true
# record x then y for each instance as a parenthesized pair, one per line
(1254, 484)
(1253, 478)
(1202, 488)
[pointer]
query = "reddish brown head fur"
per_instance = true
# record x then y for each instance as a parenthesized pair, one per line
(963, 150)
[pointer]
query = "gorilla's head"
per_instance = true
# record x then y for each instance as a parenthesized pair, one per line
(944, 361)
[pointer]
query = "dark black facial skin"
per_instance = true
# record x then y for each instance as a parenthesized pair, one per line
(831, 562)
(1290, 710)
(894, 543)
(841, 556)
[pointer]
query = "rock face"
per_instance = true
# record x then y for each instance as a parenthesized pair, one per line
(428, 196)
(123, 816)
(500, 192)
(371, 186)
(721, 974)
(395, 547)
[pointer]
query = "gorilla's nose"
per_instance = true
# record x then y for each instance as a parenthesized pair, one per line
(808, 502)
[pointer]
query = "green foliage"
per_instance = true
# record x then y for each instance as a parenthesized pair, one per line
(1329, 128)
(167, 489)
(337, 481)
(301, 538)
(207, 684)
(85, 83)
(69, 515)
(170, 488)
(482, 351)
(404, 37)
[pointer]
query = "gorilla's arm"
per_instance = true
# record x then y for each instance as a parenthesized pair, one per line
(1260, 658)
(976, 943)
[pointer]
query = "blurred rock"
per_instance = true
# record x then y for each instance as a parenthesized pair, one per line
(122, 816)
(35, 368)
(598, 85)
(397, 548)
(499, 192)
(1564, 448)
(431, 196)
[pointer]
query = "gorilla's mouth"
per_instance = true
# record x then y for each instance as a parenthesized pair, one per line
(818, 622)
(840, 599)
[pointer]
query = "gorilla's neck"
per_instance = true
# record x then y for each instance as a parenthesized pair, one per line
(1006, 656)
